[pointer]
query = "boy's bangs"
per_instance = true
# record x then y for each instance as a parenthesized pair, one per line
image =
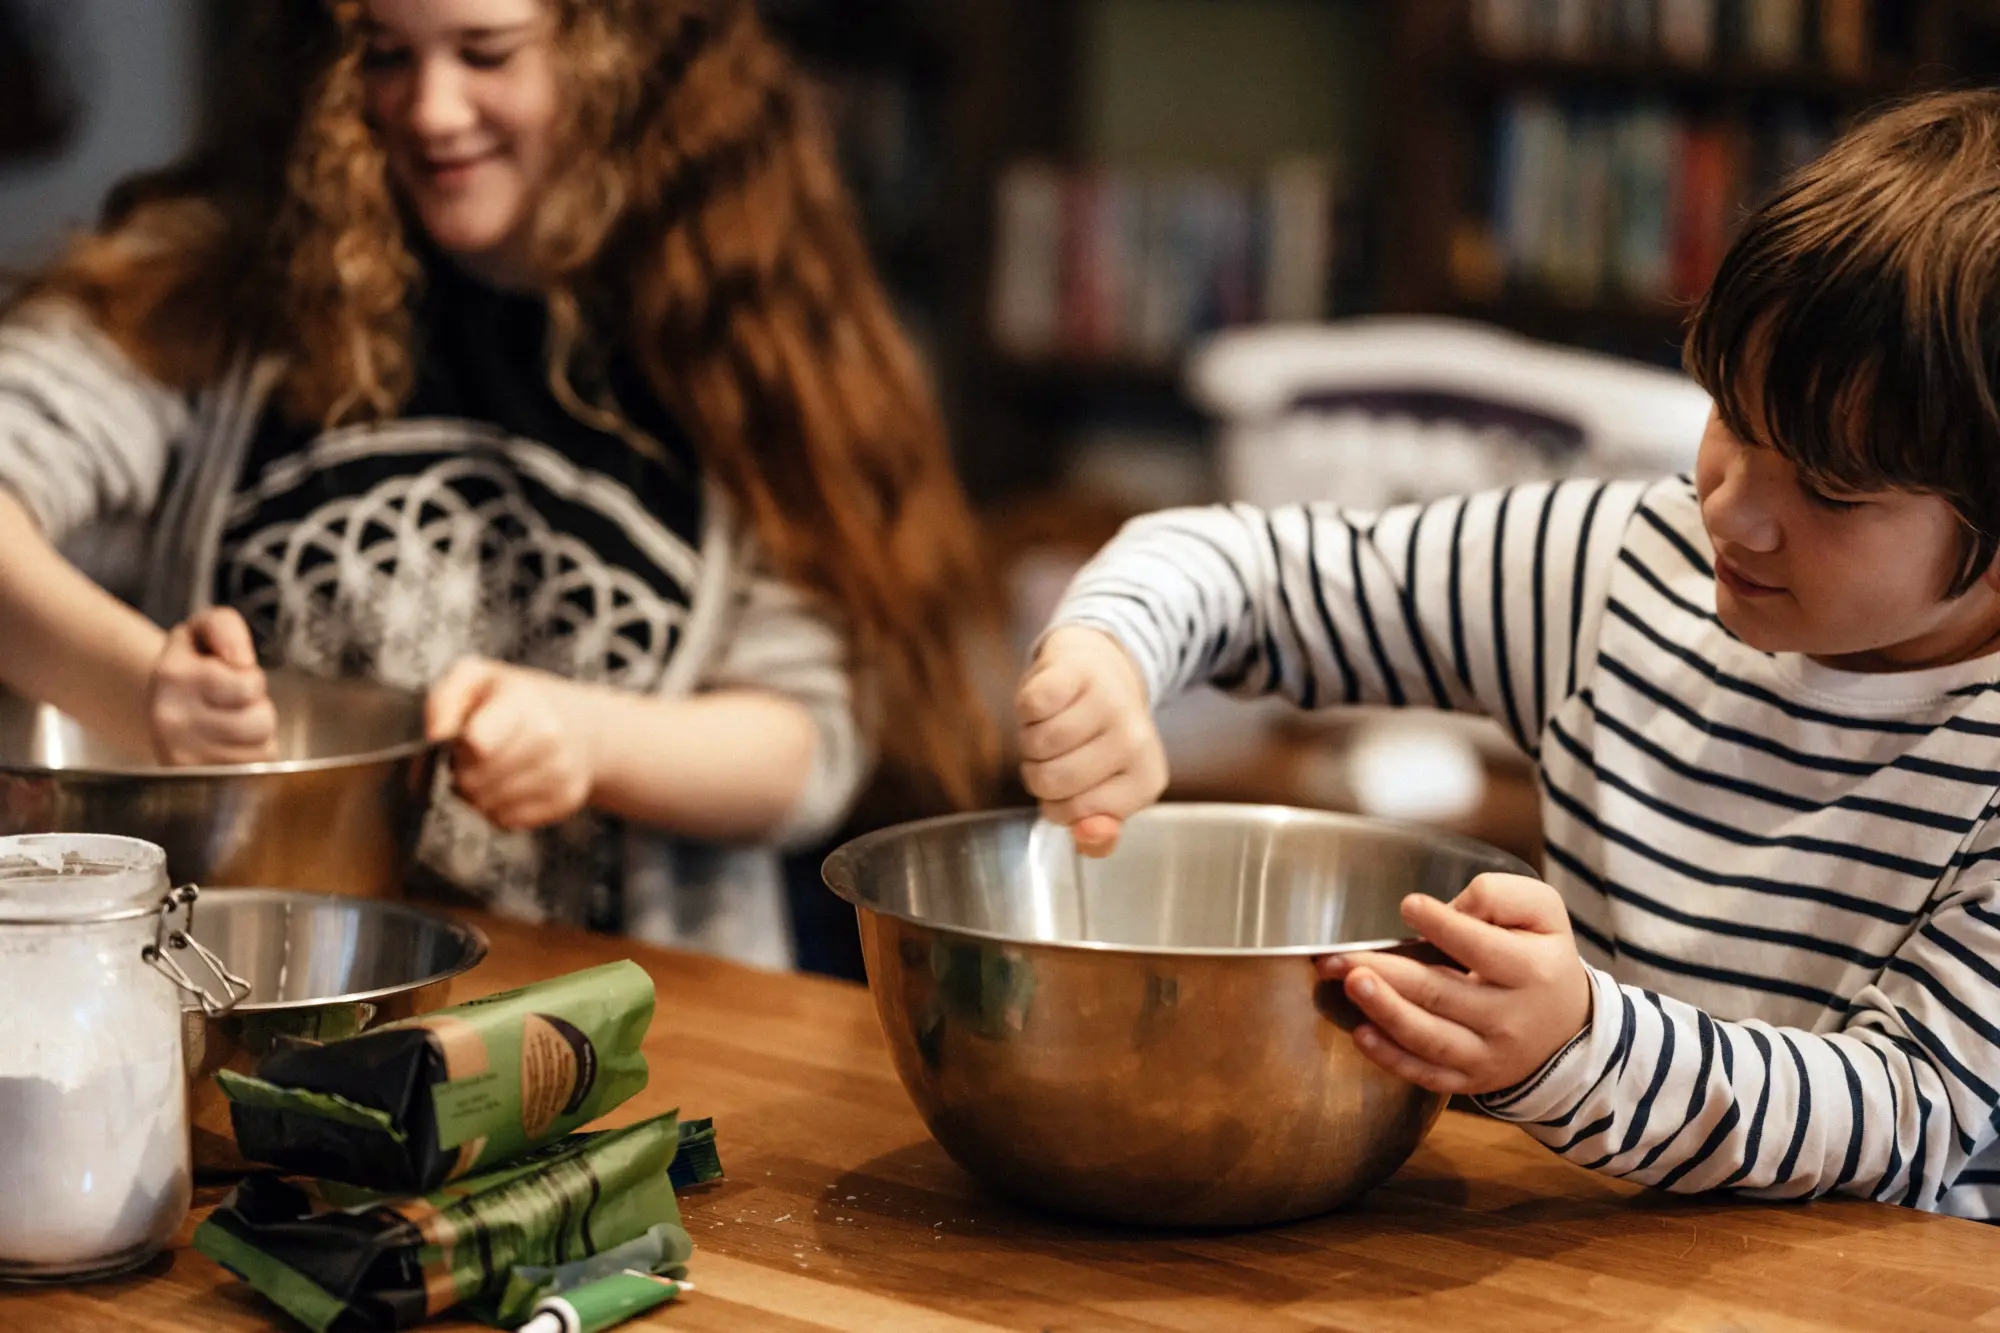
(1816, 371)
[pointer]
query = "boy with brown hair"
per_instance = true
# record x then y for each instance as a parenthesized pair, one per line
(1764, 701)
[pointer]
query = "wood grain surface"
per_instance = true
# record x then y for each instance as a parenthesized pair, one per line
(840, 1213)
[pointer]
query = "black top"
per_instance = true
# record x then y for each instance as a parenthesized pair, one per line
(485, 520)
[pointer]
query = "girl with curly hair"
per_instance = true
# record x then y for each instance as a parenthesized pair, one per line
(527, 352)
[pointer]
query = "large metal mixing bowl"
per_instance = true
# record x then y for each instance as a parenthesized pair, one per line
(1142, 1039)
(319, 968)
(338, 811)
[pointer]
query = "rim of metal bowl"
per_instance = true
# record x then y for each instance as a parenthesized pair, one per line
(860, 846)
(473, 938)
(272, 767)
(262, 768)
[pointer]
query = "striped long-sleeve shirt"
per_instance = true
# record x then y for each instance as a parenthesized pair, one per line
(1785, 878)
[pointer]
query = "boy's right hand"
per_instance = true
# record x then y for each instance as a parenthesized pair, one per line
(207, 700)
(1089, 750)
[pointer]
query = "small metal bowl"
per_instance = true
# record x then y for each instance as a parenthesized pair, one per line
(1143, 1039)
(338, 811)
(320, 967)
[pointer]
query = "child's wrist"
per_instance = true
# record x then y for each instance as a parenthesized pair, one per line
(588, 714)
(1087, 637)
(1551, 1088)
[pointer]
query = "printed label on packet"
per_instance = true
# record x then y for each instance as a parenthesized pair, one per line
(471, 1095)
(465, 1106)
(558, 1069)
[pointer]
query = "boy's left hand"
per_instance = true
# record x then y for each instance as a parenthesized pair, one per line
(1524, 995)
(519, 757)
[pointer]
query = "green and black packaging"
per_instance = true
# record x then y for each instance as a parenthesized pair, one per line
(343, 1261)
(409, 1106)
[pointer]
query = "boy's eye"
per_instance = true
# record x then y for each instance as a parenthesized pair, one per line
(1831, 503)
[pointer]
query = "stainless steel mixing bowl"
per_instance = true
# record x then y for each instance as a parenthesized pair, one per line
(319, 968)
(338, 811)
(1142, 1039)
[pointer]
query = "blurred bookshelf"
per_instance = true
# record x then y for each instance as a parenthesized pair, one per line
(1574, 169)
(1064, 195)
(1067, 194)
(928, 102)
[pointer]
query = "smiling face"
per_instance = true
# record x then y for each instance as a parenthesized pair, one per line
(1857, 581)
(464, 96)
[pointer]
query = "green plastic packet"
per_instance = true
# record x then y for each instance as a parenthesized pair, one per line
(411, 1105)
(662, 1249)
(343, 1261)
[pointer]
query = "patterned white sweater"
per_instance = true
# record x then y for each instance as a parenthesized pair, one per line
(86, 439)
(1786, 878)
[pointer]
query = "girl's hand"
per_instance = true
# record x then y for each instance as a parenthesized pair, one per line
(518, 756)
(1524, 996)
(1089, 750)
(207, 701)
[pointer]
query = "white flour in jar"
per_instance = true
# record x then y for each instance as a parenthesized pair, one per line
(93, 1110)
(94, 1171)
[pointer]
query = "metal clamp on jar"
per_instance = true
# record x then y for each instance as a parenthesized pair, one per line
(94, 960)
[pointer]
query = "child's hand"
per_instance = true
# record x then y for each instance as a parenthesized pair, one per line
(207, 701)
(518, 756)
(1525, 995)
(1089, 750)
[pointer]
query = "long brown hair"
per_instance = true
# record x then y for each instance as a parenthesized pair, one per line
(697, 225)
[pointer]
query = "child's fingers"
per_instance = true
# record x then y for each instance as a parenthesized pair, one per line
(456, 695)
(252, 728)
(222, 633)
(1494, 952)
(497, 725)
(1122, 796)
(485, 753)
(497, 781)
(1377, 1046)
(1097, 835)
(215, 752)
(1430, 1038)
(1513, 902)
(230, 738)
(527, 773)
(1050, 686)
(533, 813)
(1443, 991)
(1077, 772)
(230, 687)
(1056, 736)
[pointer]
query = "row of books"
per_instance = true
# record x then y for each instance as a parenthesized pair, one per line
(1636, 202)
(1130, 266)
(1843, 36)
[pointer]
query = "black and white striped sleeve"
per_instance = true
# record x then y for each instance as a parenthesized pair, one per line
(84, 434)
(1891, 1106)
(1485, 603)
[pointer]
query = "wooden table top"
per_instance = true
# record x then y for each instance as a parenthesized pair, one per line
(840, 1213)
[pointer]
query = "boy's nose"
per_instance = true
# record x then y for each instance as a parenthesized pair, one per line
(1736, 513)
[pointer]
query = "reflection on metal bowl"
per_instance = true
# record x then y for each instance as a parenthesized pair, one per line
(338, 812)
(320, 968)
(1141, 1039)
